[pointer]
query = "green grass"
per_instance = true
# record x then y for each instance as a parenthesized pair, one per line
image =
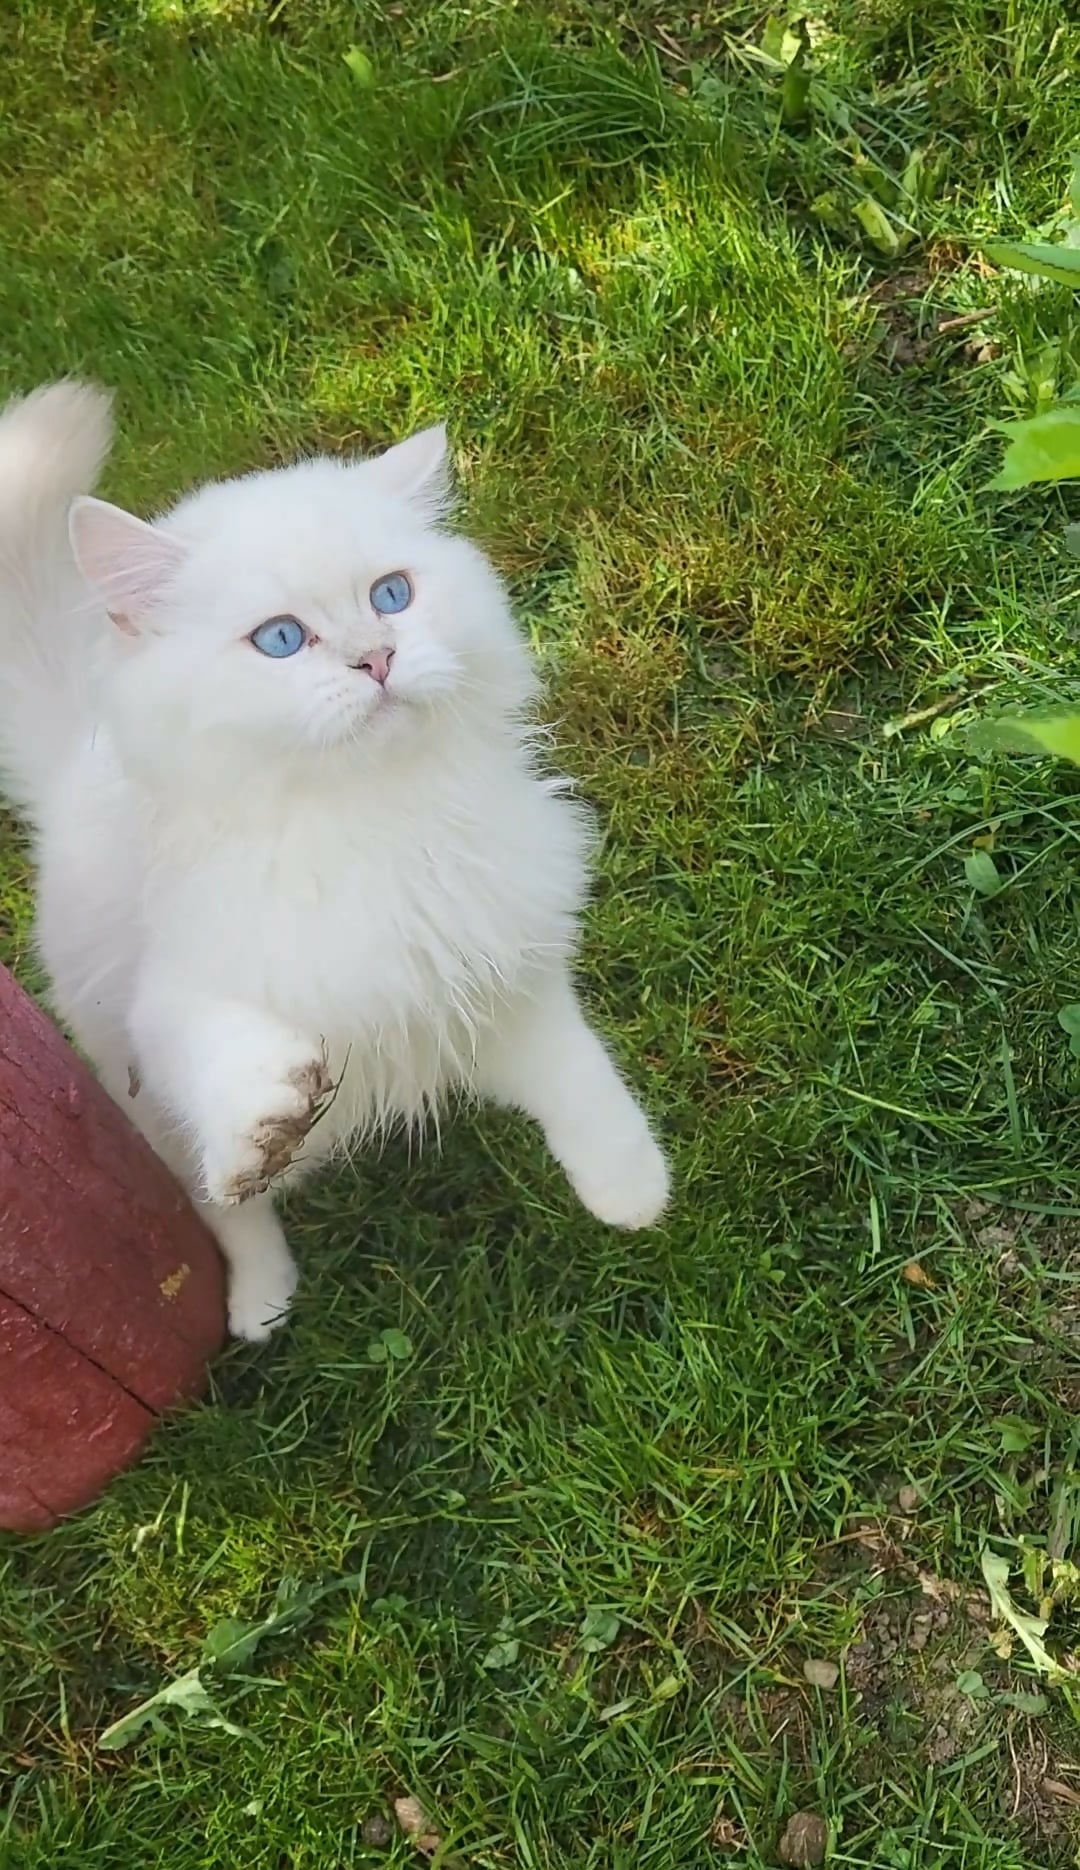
(594, 1522)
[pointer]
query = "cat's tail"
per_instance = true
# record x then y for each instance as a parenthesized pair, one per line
(52, 445)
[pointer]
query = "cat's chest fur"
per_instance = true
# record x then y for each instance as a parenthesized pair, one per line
(393, 926)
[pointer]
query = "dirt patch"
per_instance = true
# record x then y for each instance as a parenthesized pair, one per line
(901, 326)
(1018, 1242)
(913, 1647)
(927, 1653)
(920, 1674)
(1044, 1807)
(909, 327)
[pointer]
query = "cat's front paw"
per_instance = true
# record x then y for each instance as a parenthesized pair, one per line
(253, 1158)
(627, 1187)
(260, 1290)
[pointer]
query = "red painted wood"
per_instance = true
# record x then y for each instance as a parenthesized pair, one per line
(111, 1291)
(66, 1427)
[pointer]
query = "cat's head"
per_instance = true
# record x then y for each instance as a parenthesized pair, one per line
(303, 609)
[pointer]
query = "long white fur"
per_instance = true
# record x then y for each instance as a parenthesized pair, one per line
(244, 863)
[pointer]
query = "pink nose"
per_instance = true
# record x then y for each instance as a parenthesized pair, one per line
(377, 665)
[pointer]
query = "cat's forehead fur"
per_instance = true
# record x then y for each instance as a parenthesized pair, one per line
(323, 518)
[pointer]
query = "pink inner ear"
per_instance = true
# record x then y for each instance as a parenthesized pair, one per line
(130, 562)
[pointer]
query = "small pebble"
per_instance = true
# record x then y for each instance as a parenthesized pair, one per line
(919, 1633)
(377, 1831)
(820, 1673)
(805, 1842)
(416, 1825)
(908, 1499)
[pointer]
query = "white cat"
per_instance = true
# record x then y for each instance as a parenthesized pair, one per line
(299, 873)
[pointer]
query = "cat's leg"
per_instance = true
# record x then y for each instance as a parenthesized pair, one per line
(245, 1087)
(262, 1271)
(241, 1090)
(545, 1059)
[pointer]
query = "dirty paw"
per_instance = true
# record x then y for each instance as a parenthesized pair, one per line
(277, 1136)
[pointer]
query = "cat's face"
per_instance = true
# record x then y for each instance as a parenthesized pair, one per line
(304, 609)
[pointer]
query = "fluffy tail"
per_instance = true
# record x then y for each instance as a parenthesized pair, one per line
(51, 447)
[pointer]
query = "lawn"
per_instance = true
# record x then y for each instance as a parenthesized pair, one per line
(594, 1503)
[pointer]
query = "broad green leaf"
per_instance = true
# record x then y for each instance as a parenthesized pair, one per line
(795, 92)
(772, 39)
(186, 1696)
(923, 175)
(1029, 1629)
(393, 1606)
(970, 1683)
(398, 1345)
(982, 873)
(296, 1598)
(831, 211)
(881, 184)
(783, 41)
(1043, 257)
(1026, 1704)
(1016, 1435)
(1065, 1581)
(361, 66)
(232, 1642)
(1069, 1021)
(877, 226)
(1058, 734)
(1046, 447)
(502, 1655)
(599, 1628)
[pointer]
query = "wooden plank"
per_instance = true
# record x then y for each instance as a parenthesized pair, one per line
(111, 1289)
(65, 1426)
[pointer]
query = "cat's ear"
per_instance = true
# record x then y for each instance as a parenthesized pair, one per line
(419, 469)
(129, 562)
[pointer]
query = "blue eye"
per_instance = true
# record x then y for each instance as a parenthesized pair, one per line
(392, 593)
(281, 636)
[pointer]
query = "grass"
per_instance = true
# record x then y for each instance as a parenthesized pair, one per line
(592, 1519)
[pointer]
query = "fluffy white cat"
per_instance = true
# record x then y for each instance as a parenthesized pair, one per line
(300, 875)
